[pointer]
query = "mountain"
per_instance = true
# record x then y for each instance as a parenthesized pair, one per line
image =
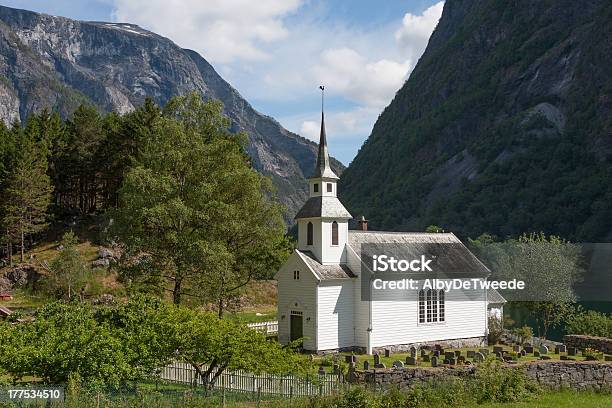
(503, 127)
(59, 63)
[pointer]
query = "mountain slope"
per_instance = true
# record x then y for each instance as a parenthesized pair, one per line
(56, 62)
(504, 126)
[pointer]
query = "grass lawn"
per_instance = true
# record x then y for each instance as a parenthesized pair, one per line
(562, 399)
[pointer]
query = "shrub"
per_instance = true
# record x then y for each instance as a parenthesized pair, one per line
(494, 383)
(496, 329)
(590, 323)
(525, 333)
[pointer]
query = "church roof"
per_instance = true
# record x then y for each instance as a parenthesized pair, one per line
(493, 296)
(323, 206)
(325, 272)
(323, 168)
(450, 255)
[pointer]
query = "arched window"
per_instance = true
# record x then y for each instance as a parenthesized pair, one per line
(431, 306)
(309, 233)
(334, 233)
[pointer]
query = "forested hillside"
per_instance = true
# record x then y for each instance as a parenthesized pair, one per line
(504, 126)
(58, 63)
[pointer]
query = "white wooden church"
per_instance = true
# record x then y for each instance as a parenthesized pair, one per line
(319, 286)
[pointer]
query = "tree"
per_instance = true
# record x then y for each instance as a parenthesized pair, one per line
(195, 218)
(28, 190)
(549, 266)
(212, 345)
(68, 271)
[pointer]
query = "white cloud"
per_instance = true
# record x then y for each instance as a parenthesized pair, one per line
(416, 29)
(368, 82)
(222, 30)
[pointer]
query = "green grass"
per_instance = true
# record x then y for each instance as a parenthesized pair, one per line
(561, 399)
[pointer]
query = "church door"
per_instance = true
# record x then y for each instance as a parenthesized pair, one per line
(296, 326)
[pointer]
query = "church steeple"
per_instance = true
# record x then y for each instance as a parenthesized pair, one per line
(323, 220)
(323, 167)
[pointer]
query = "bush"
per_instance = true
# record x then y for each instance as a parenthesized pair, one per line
(495, 383)
(496, 329)
(589, 323)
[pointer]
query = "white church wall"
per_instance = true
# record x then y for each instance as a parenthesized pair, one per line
(333, 254)
(302, 292)
(397, 322)
(361, 314)
(316, 248)
(335, 314)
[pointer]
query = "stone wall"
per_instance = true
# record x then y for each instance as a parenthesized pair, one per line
(551, 374)
(581, 342)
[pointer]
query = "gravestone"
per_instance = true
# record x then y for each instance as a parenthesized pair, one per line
(424, 352)
(523, 353)
(438, 347)
(572, 351)
(434, 361)
(471, 353)
(376, 359)
(560, 348)
(413, 351)
(516, 349)
(436, 353)
(545, 357)
(411, 360)
(452, 361)
(461, 359)
(479, 357)
(497, 350)
(448, 355)
(366, 365)
(484, 351)
(321, 371)
(336, 369)
(457, 353)
(543, 349)
(381, 365)
(398, 364)
(528, 349)
(348, 359)
(536, 353)
(426, 358)
(387, 353)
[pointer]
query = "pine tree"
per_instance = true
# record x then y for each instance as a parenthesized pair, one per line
(28, 190)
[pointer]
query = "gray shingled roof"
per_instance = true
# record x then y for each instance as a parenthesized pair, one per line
(326, 272)
(493, 296)
(323, 207)
(450, 255)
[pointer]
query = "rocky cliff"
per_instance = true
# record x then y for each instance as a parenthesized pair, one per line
(504, 126)
(58, 63)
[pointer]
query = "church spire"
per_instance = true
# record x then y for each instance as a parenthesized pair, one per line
(323, 168)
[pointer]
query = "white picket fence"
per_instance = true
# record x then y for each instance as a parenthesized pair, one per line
(282, 385)
(265, 327)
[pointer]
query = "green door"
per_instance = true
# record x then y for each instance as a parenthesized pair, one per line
(296, 327)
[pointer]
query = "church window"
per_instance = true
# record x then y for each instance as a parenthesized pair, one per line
(315, 187)
(334, 233)
(309, 233)
(296, 275)
(329, 187)
(431, 306)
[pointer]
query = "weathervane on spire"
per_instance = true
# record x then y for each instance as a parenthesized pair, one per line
(322, 88)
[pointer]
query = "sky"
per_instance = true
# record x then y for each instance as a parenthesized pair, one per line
(276, 53)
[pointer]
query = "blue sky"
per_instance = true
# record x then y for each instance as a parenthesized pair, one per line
(277, 52)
